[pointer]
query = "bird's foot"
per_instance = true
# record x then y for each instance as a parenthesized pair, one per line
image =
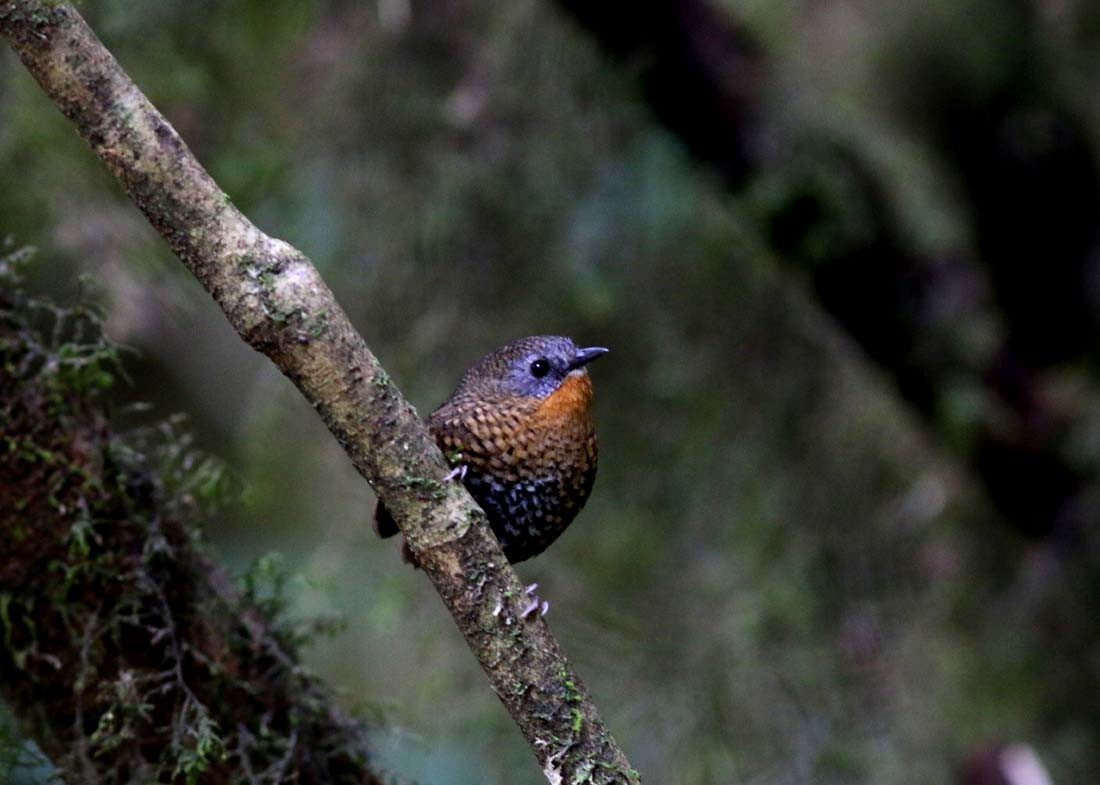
(542, 606)
(458, 471)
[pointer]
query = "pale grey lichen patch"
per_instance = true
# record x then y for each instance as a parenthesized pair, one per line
(279, 305)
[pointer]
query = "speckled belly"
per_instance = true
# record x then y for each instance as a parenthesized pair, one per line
(528, 515)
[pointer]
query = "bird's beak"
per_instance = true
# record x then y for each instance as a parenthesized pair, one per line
(585, 356)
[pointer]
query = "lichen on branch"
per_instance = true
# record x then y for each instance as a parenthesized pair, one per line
(277, 302)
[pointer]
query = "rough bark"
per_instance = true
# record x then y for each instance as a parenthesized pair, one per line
(274, 298)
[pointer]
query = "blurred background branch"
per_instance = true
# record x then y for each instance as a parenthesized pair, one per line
(988, 321)
(815, 576)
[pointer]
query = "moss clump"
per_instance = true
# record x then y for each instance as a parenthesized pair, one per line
(124, 651)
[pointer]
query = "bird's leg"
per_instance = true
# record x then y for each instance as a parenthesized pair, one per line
(542, 606)
(458, 471)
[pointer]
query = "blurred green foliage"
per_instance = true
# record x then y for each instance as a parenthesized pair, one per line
(780, 577)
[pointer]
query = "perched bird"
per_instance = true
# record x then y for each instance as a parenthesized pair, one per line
(519, 430)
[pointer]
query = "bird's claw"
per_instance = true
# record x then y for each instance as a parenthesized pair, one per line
(458, 471)
(542, 606)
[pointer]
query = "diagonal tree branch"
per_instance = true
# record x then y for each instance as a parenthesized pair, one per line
(277, 302)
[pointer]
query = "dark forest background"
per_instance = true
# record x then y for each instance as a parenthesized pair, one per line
(845, 255)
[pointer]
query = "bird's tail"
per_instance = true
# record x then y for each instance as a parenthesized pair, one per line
(383, 522)
(386, 527)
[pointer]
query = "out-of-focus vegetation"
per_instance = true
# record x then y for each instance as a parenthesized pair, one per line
(127, 655)
(786, 574)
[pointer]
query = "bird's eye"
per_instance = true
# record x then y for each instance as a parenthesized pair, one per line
(540, 367)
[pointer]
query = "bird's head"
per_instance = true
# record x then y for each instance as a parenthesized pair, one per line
(529, 367)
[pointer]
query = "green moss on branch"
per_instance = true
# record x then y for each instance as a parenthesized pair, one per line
(277, 302)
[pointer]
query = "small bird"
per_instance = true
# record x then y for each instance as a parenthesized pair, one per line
(519, 430)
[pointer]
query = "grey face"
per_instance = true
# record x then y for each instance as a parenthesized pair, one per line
(530, 367)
